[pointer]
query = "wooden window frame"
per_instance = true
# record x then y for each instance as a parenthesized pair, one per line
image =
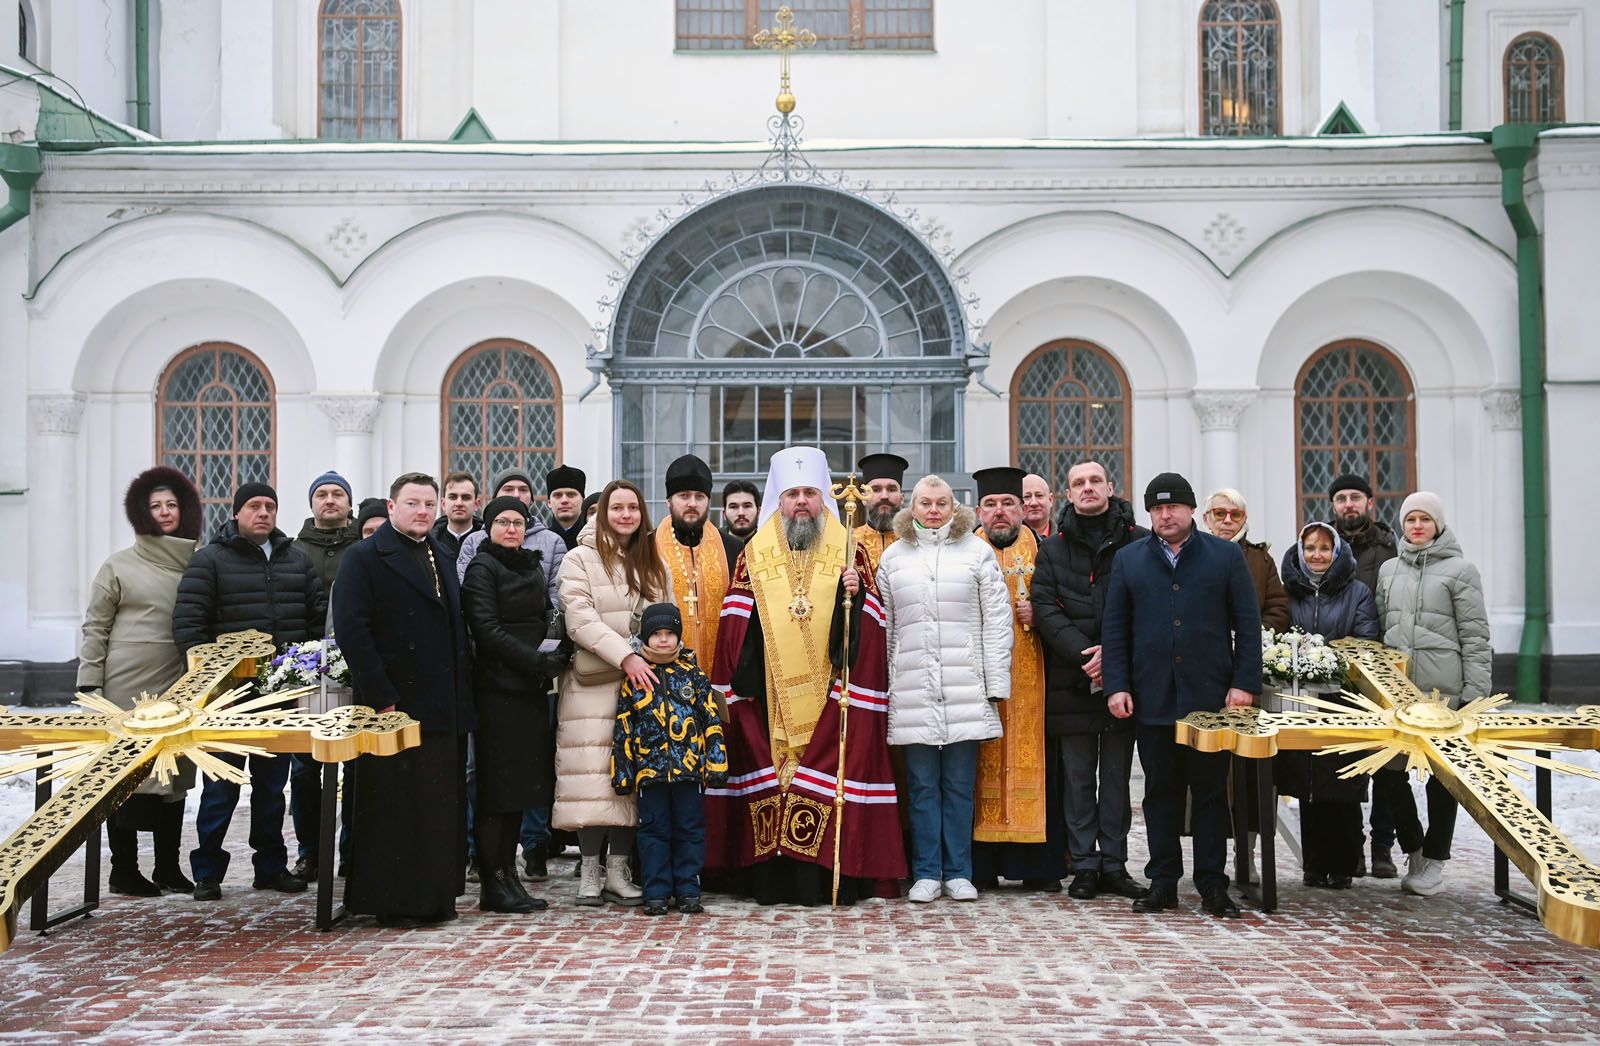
(399, 68)
(164, 403)
(858, 38)
(446, 401)
(1371, 448)
(1277, 61)
(1559, 79)
(1125, 448)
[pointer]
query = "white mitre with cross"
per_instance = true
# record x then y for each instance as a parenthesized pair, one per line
(796, 467)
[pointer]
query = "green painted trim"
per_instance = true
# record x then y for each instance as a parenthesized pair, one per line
(141, 64)
(20, 168)
(1456, 31)
(472, 128)
(1514, 145)
(1340, 121)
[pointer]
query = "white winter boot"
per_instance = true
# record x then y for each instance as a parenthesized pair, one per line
(589, 881)
(1424, 876)
(619, 884)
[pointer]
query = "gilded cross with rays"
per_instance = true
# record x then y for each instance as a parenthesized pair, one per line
(1472, 750)
(785, 39)
(104, 751)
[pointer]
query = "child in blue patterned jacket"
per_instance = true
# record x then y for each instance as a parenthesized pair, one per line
(668, 745)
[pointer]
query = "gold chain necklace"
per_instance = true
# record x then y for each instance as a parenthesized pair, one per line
(692, 575)
(799, 577)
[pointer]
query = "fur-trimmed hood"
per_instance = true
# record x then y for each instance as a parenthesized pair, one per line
(963, 522)
(137, 502)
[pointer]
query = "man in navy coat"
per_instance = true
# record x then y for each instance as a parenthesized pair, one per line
(397, 617)
(1182, 633)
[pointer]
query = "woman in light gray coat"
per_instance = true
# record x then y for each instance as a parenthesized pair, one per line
(1431, 606)
(126, 650)
(949, 626)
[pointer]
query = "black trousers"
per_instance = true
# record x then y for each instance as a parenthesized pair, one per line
(1394, 788)
(1098, 806)
(1331, 834)
(1171, 772)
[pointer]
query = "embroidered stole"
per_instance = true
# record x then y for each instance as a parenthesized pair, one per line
(875, 544)
(1011, 788)
(707, 584)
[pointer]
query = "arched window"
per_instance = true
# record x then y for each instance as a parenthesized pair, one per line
(27, 36)
(1534, 72)
(1069, 401)
(1354, 412)
(1240, 87)
(358, 93)
(502, 409)
(214, 423)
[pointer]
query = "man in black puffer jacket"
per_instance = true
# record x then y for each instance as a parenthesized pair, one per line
(1091, 751)
(250, 576)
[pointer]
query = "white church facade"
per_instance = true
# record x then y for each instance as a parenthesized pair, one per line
(1015, 233)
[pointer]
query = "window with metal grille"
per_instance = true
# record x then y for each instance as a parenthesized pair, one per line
(1240, 90)
(787, 315)
(214, 423)
(502, 409)
(24, 36)
(840, 25)
(358, 93)
(1069, 403)
(1534, 71)
(1354, 412)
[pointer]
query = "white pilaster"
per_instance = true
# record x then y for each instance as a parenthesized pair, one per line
(53, 502)
(1219, 411)
(1505, 581)
(354, 415)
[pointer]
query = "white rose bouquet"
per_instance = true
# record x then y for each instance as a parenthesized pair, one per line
(304, 664)
(1297, 659)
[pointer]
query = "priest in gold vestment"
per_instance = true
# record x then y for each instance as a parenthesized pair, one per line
(698, 557)
(881, 477)
(1011, 834)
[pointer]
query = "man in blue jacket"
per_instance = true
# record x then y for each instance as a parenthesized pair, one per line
(1182, 633)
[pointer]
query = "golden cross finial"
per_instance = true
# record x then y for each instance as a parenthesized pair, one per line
(785, 39)
(105, 751)
(1472, 750)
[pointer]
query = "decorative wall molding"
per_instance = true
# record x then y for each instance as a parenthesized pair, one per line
(1224, 234)
(351, 412)
(347, 238)
(1221, 408)
(1505, 409)
(57, 414)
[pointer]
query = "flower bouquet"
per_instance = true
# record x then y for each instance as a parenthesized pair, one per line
(1294, 663)
(315, 664)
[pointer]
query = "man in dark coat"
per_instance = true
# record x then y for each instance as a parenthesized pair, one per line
(398, 621)
(1176, 602)
(1373, 543)
(563, 493)
(323, 538)
(250, 576)
(1090, 750)
(459, 520)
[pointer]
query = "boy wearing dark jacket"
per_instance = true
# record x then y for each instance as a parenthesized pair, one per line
(668, 744)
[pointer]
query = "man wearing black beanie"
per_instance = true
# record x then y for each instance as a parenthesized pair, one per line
(1182, 633)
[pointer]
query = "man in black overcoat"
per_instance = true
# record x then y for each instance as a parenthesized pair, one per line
(397, 617)
(1181, 634)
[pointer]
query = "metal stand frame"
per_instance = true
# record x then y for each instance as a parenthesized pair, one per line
(40, 918)
(1263, 894)
(329, 914)
(1502, 866)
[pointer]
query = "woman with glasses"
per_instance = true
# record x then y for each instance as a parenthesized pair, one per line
(506, 603)
(1227, 517)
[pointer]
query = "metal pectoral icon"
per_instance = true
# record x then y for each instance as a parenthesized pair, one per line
(1473, 750)
(104, 752)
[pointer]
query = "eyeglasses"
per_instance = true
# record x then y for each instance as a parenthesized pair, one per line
(511, 524)
(1234, 514)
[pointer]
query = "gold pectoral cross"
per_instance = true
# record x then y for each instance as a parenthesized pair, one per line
(1473, 750)
(105, 751)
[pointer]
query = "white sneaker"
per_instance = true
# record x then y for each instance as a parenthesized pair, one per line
(1424, 877)
(961, 890)
(923, 891)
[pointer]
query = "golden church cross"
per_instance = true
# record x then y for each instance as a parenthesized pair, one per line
(785, 39)
(104, 752)
(1472, 750)
(1022, 571)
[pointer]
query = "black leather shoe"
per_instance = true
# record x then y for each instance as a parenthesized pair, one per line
(1084, 886)
(172, 880)
(1316, 880)
(130, 882)
(283, 882)
(1123, 885)
(208, 890)
(691, 906)
(497, 894)
(1158, 898)
(1218, 903)
(655, 907)
(1339, 882)
(305, 868)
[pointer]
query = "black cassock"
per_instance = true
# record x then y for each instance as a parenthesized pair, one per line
(397, 618)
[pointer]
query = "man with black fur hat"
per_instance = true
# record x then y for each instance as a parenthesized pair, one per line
(250, 576)
(563, 491)
(1182, 633)
(880, 476)
(699, 558)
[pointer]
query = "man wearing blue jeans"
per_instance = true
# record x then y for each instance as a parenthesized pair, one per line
(209, 860)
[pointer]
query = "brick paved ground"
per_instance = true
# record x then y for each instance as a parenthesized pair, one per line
(1367, 966)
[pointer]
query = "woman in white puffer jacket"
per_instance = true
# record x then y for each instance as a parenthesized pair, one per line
(949, 625)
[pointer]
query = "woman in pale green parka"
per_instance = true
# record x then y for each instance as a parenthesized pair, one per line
(1431, 607)
(127, 650)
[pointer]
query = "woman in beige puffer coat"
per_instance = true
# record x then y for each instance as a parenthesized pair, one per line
(605, 584)
(1431, 607)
